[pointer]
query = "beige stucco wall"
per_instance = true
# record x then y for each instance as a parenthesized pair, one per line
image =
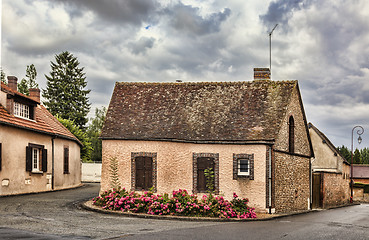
(2, 98)
(14, 142)
(324, 159)
(175, 167)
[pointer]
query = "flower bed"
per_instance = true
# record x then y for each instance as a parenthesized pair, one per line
(180, 204)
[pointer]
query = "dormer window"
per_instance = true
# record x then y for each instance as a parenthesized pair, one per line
(21, 110)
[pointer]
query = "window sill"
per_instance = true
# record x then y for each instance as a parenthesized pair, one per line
(37, 172)
(24, 118)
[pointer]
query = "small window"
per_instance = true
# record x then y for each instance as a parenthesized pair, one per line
(243, 166)
(21, 110)
(66, 160)
(291, 135)
(36, 158)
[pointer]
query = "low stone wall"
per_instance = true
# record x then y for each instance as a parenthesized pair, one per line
(360, 196)
(91, 172)
(336, 190)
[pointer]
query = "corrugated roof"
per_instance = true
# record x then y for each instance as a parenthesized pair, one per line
(198, 112)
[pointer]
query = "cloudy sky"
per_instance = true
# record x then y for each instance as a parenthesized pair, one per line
(323, 44)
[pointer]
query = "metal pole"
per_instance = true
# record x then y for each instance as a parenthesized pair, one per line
(359, 132)
(270, 50)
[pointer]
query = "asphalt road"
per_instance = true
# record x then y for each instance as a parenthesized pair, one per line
(56, 215)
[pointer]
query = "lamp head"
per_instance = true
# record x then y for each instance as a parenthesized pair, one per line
(359, 139)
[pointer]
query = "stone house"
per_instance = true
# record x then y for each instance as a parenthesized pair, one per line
(253, 134)
(330, 172)
(37, 153)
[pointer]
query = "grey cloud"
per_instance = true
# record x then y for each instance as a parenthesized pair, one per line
(280, 11)
(115, 11)
(141, 46)
(186, 19)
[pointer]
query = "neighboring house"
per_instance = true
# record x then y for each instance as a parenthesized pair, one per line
(331, 173)
(360, 173)
(37, 153)
(253, 134)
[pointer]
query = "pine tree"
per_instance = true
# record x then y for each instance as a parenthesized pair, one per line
(365, 155)
(94, 131)
(357, 157)
(2, 76)
(30, 80)
(65, 92)
(345, 152)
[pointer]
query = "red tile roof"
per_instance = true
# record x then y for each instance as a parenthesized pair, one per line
(45, 122)
(8, 90)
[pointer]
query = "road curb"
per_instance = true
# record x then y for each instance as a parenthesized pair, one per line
(88, 205)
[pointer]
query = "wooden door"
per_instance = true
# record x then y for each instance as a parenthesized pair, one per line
(317, 191)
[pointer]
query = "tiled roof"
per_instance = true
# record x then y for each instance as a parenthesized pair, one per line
(8, 90)
(198, 112)
(360, 171)
(44, 123)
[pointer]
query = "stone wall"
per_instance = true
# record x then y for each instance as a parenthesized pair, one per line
(291, 183)
(336, 189)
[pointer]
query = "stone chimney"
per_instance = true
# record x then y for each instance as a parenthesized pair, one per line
(34, 93)
(12, 83)
(261, 74)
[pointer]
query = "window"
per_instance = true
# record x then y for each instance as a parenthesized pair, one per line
(36, 158)
(66, 160)
(201, 162)
(243, 166)
(143, 171)
(21, 110)
(291, 135)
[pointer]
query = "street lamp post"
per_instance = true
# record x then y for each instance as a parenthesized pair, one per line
(359, 132)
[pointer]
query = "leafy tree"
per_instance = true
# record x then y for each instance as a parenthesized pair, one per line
(345, 152)
(65, 92)
(357, 157)
(81, 135)
(3, 77)
(30, 80)
(94, 131)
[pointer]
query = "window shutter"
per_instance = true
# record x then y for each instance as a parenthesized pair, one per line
(44, 160)
(235, 166)
(140, 173)
(0, 156)
(148, 173)
(28, 159)
(66, 160)
(251, 166)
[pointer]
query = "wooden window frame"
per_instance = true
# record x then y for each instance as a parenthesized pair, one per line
(152, 155)
(66, 160)
(195, 158)
(236, 159)
(41, 160)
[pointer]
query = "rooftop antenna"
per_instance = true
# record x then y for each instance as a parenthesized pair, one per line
(270, 50)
